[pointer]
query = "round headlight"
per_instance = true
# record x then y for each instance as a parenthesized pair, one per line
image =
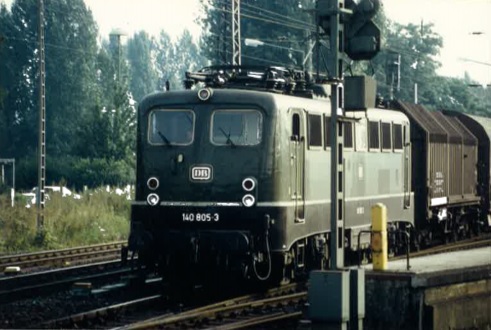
(153, 199)
(153, 183)
(248, 200)
(248, 184)
(204, 94)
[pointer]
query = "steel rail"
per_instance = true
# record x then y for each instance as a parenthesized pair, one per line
(259, 320)
(53, 257)
(78, 319)
(194, 318)
(42, 283)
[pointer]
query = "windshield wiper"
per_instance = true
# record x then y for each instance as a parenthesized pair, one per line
(162, 136)
(229, 140)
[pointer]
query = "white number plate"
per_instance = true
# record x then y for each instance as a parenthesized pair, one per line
(200, 217)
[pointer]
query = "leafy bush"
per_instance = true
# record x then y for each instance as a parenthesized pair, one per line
(3, 188)
(17, 226)
(97, 217)
(76, 172)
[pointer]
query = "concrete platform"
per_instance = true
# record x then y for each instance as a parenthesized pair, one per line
(443, 291)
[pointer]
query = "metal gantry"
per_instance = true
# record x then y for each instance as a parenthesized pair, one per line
(236, 57)
(40, 197)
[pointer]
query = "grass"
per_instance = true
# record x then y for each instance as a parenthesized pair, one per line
(98, 217)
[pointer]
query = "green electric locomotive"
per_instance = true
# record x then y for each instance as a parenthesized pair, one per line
(233, 177)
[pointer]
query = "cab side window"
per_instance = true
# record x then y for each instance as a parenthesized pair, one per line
(296, 126)
(374, 136)
(348, 134)
(397, 136)
(386, 137)
(315, 131)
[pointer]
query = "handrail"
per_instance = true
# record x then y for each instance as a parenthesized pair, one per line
(408, 266)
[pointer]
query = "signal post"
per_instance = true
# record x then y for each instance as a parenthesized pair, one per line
(337, 295)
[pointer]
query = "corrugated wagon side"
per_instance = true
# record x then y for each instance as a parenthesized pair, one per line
(481, 129)
(429, 151)
(445, 178)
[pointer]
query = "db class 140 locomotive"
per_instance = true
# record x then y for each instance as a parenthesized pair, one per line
(233, 175)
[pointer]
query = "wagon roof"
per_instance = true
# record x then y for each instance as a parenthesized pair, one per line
(425, 119)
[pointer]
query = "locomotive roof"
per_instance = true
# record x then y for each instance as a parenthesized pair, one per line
(274, 79)
(266, 100)
(232, 96)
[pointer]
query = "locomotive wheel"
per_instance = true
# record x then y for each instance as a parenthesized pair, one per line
(417, 240)
(452, 236)
(282, 272)
(424, 239)
(476, 228)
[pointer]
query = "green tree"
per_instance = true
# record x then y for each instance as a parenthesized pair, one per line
(96, 124)
(6, 120)
(117, 101)
(285, 27)
(70, 48)
(417, 47)
(187, 56)
(143, 76)
(17, 81)
(165, 63)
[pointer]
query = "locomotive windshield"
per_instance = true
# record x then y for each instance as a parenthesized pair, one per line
(171, 127)
(236, 127)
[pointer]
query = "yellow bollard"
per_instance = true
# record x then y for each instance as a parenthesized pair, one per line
(379, 237)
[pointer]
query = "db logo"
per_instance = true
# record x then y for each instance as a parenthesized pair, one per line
(201, 173)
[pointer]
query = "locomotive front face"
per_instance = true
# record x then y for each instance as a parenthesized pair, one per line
(202, 164)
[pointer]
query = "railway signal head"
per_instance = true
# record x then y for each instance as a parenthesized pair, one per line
(361, 34)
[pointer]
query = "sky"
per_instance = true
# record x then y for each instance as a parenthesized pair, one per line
(454, 20)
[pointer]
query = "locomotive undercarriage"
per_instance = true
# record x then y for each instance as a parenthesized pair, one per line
(215, 259)
(400, 236)
(304, 255)
(221, 258)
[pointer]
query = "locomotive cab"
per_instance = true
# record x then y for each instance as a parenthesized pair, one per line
(204, 160)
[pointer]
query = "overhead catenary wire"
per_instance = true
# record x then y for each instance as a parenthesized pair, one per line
(249, 13)
(266, 20)
(277, 14)
(253, 10)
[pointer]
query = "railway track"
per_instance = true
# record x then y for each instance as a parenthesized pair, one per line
(239, 315)
(156, 311)
(285, 301)
(46, 272)
(47, 282)
(35, 298)
(64, 257)
(473, 243)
